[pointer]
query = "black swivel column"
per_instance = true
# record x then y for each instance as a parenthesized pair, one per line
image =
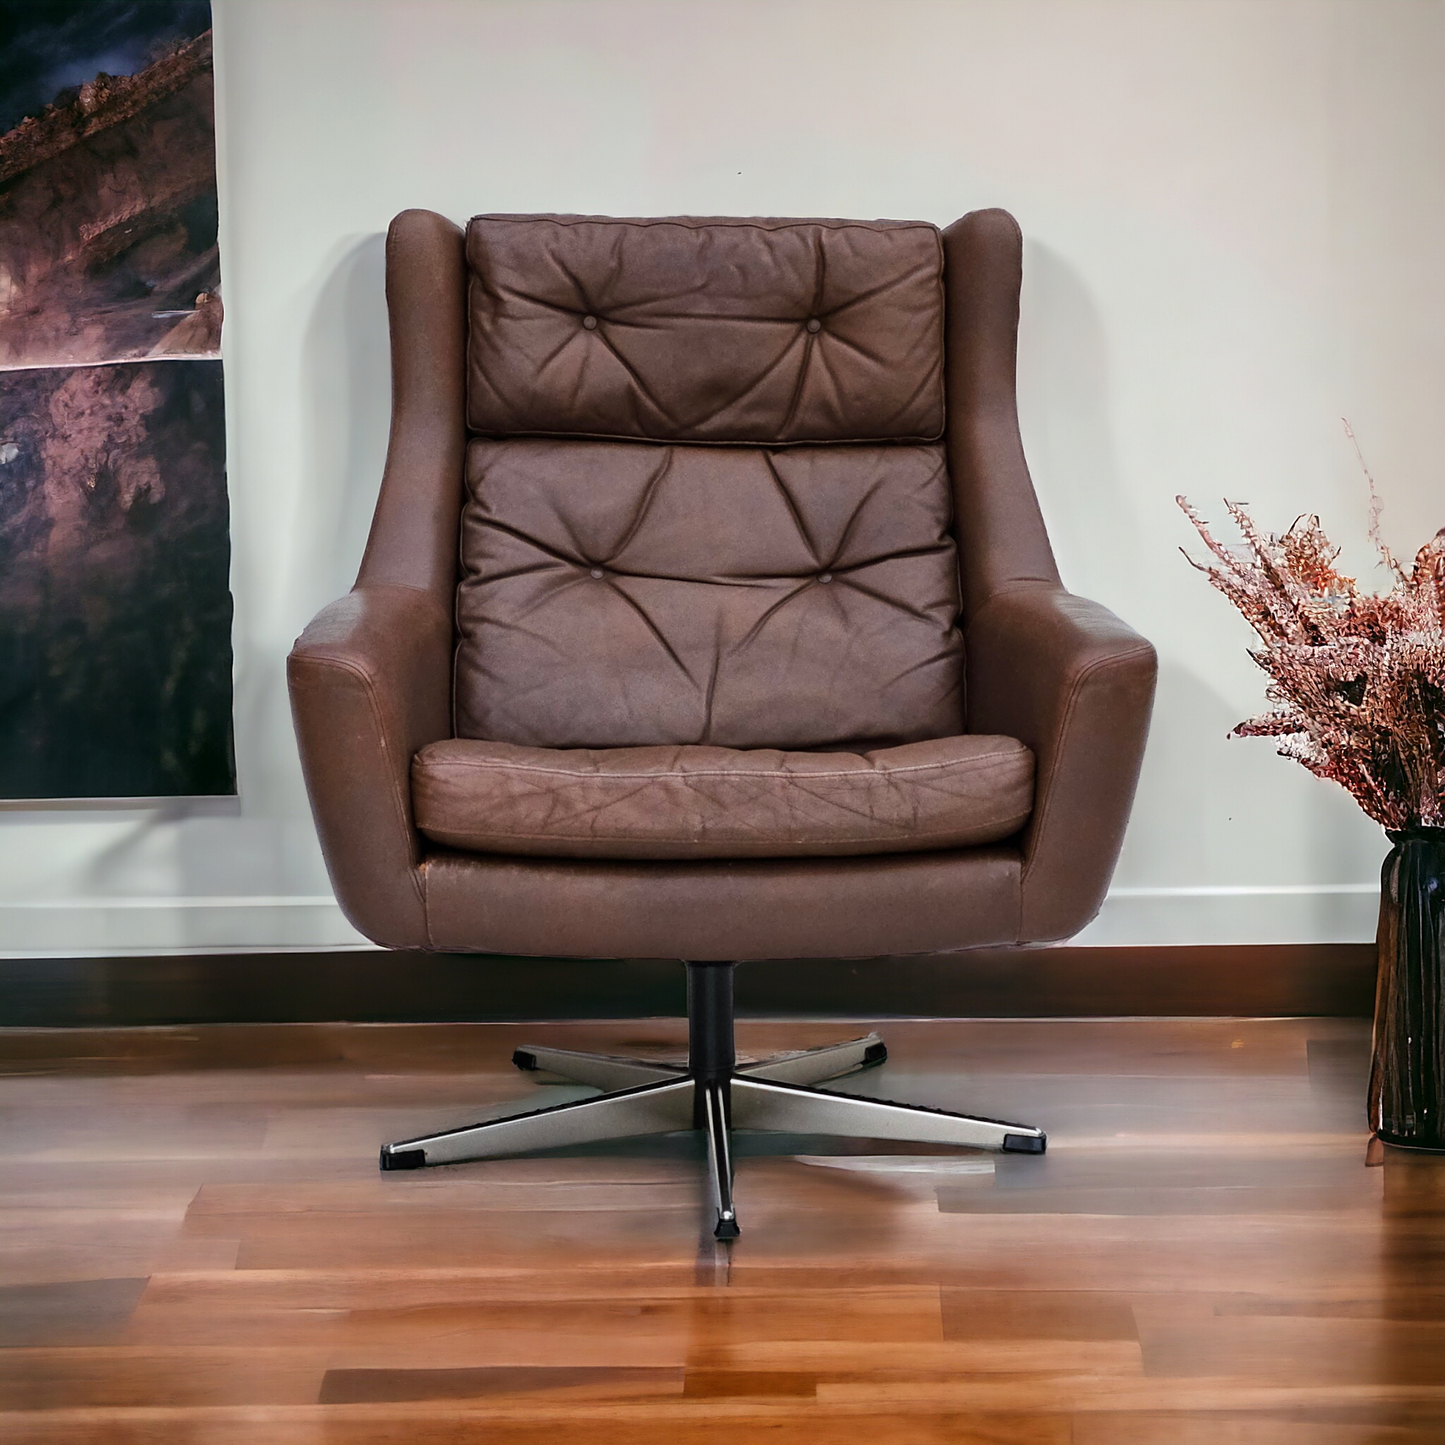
(710, 1053)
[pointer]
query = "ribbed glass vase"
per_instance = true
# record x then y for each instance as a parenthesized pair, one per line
(1407, 1077)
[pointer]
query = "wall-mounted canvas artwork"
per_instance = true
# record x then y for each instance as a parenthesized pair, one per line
(115, 609)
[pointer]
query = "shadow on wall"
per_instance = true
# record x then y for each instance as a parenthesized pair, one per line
(1208, 808)
(346, 373)
(1066, 417)
(345, 381)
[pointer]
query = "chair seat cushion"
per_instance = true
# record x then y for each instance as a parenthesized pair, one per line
(708, 802)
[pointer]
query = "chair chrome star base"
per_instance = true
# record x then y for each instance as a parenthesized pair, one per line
(712, 1092)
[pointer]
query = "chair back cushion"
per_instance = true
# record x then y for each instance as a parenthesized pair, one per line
(710, 506)
(768, 332)
(621, 594)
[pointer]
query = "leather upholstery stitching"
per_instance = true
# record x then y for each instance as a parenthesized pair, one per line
(425, 871)
(800, 835)
(1061, 731)
(501, 766)
(707, 223)
(919, 439)
(399, 793)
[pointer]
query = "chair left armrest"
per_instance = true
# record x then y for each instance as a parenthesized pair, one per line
(1069, 679)
(370, 683)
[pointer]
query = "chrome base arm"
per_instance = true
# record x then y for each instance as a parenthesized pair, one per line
(719, 1159)
(760, 1104)
(814, 1066)
(653, 1098)
(651, 1109)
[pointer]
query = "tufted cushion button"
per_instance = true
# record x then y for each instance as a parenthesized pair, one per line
(596, 572)
(590, 322)
(814, 325)
(826, 577)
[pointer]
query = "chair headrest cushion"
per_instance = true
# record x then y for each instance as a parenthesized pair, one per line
(763, 332)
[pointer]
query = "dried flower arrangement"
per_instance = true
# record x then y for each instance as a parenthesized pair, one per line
(1357, 679)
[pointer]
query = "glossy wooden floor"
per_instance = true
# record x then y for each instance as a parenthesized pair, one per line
(197, 1248)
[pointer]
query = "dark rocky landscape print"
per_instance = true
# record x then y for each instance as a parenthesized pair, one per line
(108, 213)
(115, 611)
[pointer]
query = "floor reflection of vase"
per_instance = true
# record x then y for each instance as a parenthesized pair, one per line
(1407, 1079)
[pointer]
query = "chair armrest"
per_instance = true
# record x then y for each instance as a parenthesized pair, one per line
(1073, 682)
(370, 683)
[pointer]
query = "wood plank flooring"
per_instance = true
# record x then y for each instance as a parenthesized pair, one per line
(195, 1246)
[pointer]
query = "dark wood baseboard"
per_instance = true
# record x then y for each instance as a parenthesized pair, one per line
(1259, 980)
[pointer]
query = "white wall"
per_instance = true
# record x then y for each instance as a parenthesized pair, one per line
(1235, 213)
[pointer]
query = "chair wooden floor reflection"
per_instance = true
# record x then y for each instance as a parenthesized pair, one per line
(197, 1248)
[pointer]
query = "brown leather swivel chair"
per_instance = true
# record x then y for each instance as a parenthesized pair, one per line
(708, 614)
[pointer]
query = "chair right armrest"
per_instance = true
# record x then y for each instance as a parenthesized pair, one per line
(1069, 679)
(370, 682)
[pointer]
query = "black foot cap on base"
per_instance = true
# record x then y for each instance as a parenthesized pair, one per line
(403, 1159)
(726, 1229)
(874, 1054)
(524, 1060)
(1024, 1143)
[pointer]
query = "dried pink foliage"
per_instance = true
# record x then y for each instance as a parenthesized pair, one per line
(1357, 679)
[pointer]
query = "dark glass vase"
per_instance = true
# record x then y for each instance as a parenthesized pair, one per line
(1407, 1077)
